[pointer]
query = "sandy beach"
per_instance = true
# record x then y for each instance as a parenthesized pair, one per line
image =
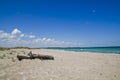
(66, 66)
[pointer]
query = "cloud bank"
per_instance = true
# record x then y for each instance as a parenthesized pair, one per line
(17, 38)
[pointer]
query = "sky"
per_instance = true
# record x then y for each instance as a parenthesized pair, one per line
(59, 23)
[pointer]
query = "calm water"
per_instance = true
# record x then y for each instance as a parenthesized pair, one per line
(91, 49)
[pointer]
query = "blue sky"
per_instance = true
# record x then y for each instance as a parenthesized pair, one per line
(42, 23)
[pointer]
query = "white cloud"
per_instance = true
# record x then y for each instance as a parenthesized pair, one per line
(22, 35)
(31, 36)
(17, 38)
(16, 32)
(4, 35)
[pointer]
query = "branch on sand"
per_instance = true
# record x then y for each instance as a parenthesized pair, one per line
(34, 56)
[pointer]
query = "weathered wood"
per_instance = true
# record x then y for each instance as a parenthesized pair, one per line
(20, 57)
(34, 56)
(45, 57)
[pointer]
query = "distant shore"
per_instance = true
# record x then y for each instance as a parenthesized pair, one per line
(105, 49)
(66, 66)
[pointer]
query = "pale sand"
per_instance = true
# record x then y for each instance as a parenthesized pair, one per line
(66, 66)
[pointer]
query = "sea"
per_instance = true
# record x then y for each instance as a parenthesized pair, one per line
(114, 49)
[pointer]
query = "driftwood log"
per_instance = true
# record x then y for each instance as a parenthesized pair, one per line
(34, 56)
(20, 57)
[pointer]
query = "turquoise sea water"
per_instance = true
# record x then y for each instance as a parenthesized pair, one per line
(90, 49)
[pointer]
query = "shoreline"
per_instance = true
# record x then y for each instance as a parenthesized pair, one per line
(85, 51)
